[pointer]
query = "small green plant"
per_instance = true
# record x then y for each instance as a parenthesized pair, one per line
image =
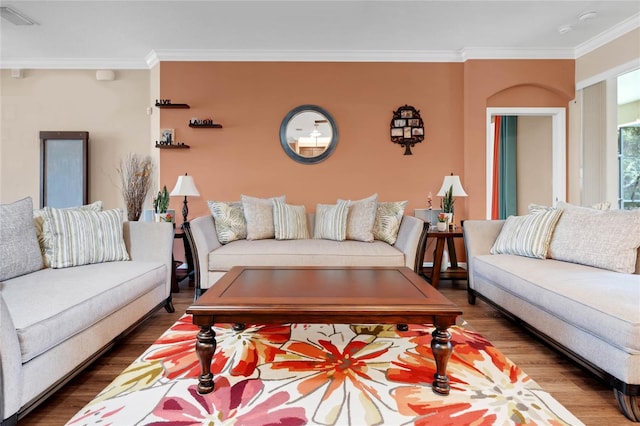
(447, 201)
(161, 202)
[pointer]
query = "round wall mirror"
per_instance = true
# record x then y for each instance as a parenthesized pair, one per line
(308, 134)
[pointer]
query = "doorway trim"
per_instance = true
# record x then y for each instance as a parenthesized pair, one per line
(559, 148)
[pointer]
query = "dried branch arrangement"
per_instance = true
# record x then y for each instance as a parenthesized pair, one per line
(135, 176)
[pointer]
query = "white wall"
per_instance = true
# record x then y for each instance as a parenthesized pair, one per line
(113, 112)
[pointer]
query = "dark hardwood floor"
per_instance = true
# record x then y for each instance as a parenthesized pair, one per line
(588, 399)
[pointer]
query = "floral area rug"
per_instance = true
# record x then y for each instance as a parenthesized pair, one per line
(322, 374)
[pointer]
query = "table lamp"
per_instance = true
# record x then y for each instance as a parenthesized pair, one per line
(452, 183)
(187, 187)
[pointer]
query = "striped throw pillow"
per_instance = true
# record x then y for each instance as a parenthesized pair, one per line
(528, 235)
(44, 234)
(82, 237)
(331, 221)
(290, 222)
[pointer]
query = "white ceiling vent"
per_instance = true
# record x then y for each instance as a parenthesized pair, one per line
(15, 17)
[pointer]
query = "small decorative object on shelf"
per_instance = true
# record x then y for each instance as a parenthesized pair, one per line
(442, 222)
(207, 122)
(166, 103)
(170, 145)
(407, 128)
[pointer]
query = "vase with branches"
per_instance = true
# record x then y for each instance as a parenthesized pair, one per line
(135, 176)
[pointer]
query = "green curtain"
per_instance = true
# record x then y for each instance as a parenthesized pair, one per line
(507, 198)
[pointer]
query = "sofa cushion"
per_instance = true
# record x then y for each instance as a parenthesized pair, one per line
(63, 302)
(388, 218)
(331, 221)
(290, 222)
(304, 253)
(230, 222)
(19, 249)
(600, 302)
(607, 239)
(44, 233)
(259, 215)
(527, 235)
(82, 237)
(361, 218)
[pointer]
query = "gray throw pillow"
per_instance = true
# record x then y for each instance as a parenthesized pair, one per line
(19, 248)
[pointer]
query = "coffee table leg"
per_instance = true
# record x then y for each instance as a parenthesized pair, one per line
(205, 348)
(441, 348)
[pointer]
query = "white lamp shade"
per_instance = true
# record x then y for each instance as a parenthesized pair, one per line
(452, 181)
(185, 186)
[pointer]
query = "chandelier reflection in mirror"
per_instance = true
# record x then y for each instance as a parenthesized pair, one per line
(308, 134)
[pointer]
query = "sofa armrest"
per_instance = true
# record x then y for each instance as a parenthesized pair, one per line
(411, 238)
(151, 241)
(203, 239)
(10, 365)
(479, 236)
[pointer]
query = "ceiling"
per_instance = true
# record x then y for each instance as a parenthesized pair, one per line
(138, 34)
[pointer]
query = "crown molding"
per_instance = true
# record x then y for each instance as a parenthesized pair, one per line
(608, 36)
(610, 73)
(500, 53)
(73, 63)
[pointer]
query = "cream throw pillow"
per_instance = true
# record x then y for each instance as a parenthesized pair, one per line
(82, 237)
(44, 233)
(606, 239)
(527, 235)
(331, 221)
(361, 218)
(388, 218)
(229, 218)
(290, 222)
(259, 215)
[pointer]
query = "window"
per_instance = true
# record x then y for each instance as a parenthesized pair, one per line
(629, 165)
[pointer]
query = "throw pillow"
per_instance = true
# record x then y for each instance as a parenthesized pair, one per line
(606, 239)
(527, 235)
(331, 221)
(361, 218)
(259, 215)
(19, 250)
(388, 217)
(81, 237)
(290, 222)
(44, 234)
(230, 222)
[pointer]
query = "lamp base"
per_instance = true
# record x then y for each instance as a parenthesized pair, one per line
(185, 210)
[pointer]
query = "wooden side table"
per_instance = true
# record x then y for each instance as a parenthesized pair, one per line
(433, 274)
(175, 277)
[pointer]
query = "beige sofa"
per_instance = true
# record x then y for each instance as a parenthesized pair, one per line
(213, 259)
(589, 313)
(54, 322)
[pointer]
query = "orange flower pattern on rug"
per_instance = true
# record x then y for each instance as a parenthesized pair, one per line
(322, 374)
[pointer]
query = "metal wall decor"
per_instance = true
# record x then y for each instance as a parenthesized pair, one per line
(407, 128)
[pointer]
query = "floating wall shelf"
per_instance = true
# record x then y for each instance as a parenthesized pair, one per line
(184, 106)
(205, 126)
(175, 146)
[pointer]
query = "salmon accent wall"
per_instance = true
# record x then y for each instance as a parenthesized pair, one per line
(250, 99)
(505, 83)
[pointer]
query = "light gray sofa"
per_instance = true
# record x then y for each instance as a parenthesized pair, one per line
(54, 322)
(213, 259)
(590, 314)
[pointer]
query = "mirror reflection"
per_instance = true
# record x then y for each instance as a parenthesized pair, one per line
(308, 134)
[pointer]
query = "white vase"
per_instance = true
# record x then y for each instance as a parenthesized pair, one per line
(445, 260)
(442, 226)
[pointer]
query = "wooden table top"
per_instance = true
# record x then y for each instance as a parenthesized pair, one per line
(317, 294)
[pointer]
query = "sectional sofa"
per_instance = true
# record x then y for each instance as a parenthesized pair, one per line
(359, 233)
(56, 320)
(574, 280)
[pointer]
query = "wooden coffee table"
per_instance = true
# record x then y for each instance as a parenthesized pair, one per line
(280, 295)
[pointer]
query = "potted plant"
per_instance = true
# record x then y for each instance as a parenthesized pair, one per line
(447, 204)
(442, 222)
(160, 206)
